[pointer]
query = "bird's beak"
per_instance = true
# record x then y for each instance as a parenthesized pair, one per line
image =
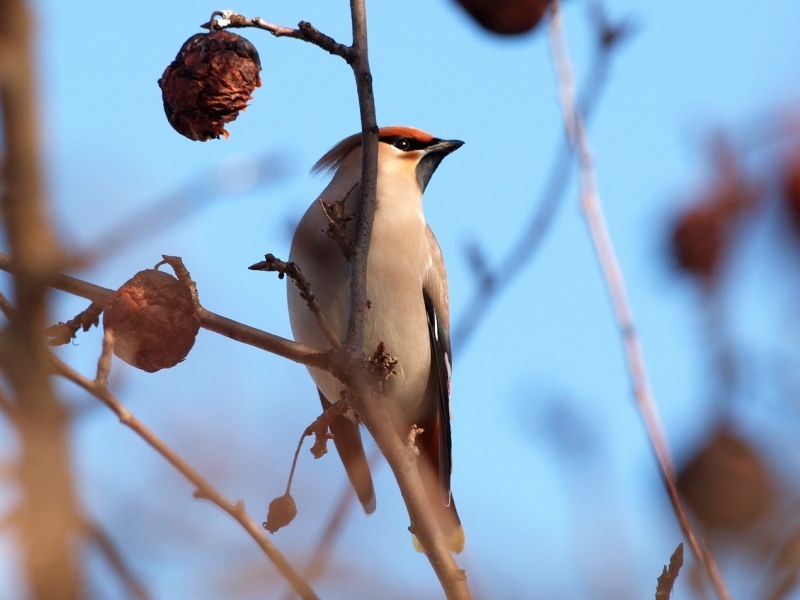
(444, 147)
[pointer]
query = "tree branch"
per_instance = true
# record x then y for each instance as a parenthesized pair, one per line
(333, 529)
(619, 297)
(290, 269)
(367, 404)
(48, 504)
(666, 581)
(354, 340)
(208, 320)
(360, 381)
(204, 489)
(226, 19)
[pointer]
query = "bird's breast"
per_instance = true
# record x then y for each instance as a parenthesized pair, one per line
(398, 260)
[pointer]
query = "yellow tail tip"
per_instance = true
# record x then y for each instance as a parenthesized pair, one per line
(455, 541)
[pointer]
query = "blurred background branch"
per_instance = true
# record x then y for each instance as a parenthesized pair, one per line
(490, 279)
(619, 296)
(48, 507)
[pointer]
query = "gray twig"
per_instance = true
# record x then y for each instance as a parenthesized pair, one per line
(225, 19)
(291, 270)
(619, 297)
(204, 489)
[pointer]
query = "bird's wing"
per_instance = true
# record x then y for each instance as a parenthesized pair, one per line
(436, 438)
(347, 438)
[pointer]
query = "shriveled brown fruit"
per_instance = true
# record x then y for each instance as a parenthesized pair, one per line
(282, 511)
(507, 17)
(791, 189)
(702, 233)
(726, 484)
(209, 82)
(154, 321)
(699, 239)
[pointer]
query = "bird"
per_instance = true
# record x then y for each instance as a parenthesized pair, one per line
(408, 307)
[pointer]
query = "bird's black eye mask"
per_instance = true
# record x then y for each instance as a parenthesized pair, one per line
(407, 144)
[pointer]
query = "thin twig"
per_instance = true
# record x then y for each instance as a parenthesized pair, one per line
(367, 403)
(333, 529)
(318, 428)
(97, 535)
(337, 223)
(365, 215)
(208, 320)
(491, 281)
(669, 575)
(64, 333)
(291, 270)
(204, 489)
(616, 287)
(224, 19)
(404, 468)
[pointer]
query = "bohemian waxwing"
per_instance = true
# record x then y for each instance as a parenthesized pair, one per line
(409, 309)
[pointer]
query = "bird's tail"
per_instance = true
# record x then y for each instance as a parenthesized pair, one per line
(445, 514)
(347, 439)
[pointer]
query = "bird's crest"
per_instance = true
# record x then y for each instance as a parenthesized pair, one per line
(334, 157)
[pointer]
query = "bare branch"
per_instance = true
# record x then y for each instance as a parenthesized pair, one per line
(354, 340)
(270, 263)
(204, 488)
(366, 402)
(619, 297)
(337, 223)
(104, 362)
(334, 527)
(64, 333)
(46, 525)
(404, 467)
(669, 575)
(208, 320)
(226, 19)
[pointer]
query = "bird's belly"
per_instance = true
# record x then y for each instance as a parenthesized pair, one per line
(396, 317)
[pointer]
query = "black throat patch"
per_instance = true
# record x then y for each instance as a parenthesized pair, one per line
(426, 167)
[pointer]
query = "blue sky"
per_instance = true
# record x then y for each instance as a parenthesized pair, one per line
(542, 521)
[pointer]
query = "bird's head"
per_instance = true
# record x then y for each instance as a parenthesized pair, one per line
(403, 147)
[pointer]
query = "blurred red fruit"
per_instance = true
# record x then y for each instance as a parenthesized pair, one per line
(507, 17)
(698, 239)
(725, 484)
(208, 83)
(702, 233)
(154, 320)
(791, 189)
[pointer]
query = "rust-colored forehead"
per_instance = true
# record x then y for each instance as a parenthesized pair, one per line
(409, 132)
(336, 155)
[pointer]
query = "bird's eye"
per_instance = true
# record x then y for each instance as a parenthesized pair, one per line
(402, 144)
